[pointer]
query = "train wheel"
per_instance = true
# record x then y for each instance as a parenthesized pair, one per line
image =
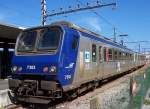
(94, 85)
(71, 95)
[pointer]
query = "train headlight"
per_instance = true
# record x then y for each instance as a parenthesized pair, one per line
(45, 69)
(19, 69)
(53, 69)
(14, 68)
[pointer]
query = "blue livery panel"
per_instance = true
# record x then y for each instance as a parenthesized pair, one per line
(64, 60)
(68, 57)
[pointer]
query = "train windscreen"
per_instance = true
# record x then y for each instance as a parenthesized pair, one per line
(27, 41)
(45, 39)
(50, 39)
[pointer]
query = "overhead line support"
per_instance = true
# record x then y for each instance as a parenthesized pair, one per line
(80, 9)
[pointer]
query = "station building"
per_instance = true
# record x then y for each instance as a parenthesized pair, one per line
(8, 35)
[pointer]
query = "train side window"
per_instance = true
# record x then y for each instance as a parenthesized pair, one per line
(115, 55)
(123, 55)
(110, 54)
(120, 55)
(130, 56)
(104, 53)
(100, 53)
(74, 43)
(93, 53)
(126, 57)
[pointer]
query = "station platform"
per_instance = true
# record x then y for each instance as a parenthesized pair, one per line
(4, 99)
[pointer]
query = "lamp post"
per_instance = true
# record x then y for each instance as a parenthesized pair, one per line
(122, 35)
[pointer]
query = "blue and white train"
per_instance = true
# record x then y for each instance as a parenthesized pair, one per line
(63, 59)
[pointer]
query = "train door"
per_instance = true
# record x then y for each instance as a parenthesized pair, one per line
(85, 59)
(105, 63)
(94, 60)
(100, 62)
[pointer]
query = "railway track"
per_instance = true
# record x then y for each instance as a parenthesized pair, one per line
(13, 106)
(56, 104)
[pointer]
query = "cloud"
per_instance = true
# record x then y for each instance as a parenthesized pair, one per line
(91, 23)
(94, 23)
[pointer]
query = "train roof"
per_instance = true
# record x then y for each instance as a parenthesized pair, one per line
(71, 25)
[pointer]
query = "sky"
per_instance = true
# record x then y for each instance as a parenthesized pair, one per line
(130, 17)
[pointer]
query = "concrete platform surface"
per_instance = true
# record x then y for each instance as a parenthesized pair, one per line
(3, 84)
(4, 99)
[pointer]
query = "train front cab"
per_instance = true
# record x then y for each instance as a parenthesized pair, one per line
(42, 67)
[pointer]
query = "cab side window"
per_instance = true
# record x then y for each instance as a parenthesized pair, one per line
(94, 53)
(74, 43)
